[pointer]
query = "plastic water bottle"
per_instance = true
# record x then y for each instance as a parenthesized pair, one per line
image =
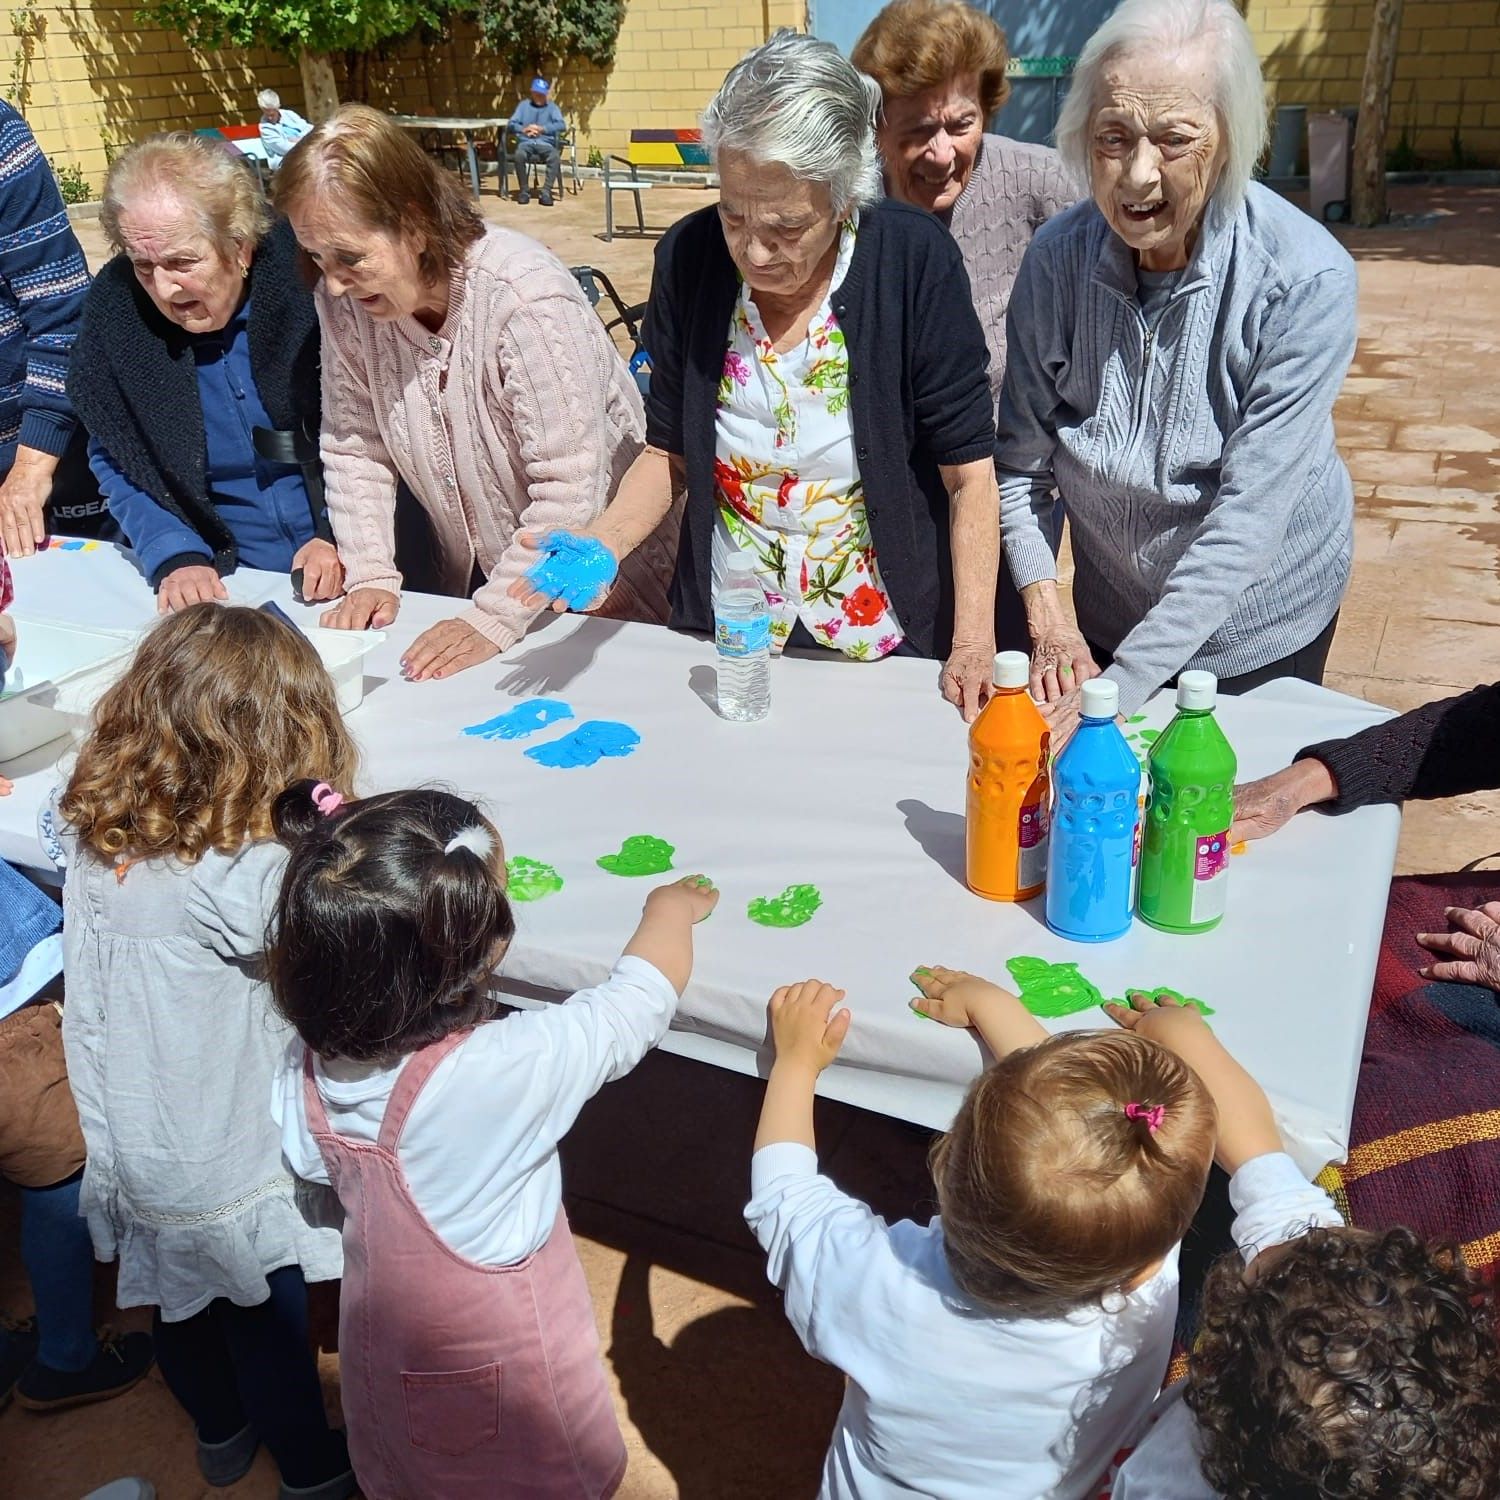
(742, 633)
(1091, 857)
(1185, 849)
(1009, 791)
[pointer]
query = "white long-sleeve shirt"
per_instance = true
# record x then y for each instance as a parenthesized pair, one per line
(480, 1146)
(1274, 1203)
(945, 1398)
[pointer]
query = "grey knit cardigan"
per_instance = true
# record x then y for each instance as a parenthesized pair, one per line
(1210, 513)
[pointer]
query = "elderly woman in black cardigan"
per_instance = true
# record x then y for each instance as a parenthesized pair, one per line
(196, 375)
(818, 387)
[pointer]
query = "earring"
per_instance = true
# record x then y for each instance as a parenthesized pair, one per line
(244, 273)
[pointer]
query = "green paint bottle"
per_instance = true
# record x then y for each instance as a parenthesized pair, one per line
(1184, 875)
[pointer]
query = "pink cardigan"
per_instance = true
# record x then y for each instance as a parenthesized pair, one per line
(518, 412)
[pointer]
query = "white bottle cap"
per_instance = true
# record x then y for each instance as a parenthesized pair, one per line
(1101, 698)
(740, 559)
(1012, 669)
(1197, 690)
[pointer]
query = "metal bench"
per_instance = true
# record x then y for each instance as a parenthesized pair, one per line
(676, 155)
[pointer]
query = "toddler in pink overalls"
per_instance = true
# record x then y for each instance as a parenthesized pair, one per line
(470, 1359)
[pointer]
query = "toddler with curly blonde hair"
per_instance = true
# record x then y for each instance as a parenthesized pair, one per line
(172, 871)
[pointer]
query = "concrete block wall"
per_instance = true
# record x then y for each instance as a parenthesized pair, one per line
(1447, 67)
(89, 77)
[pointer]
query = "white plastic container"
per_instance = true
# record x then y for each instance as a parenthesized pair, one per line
(57, 667)
(343, 653)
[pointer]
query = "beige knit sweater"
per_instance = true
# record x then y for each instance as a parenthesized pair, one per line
(1013, 190)
(518, 412)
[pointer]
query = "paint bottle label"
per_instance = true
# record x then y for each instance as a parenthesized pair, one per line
(1031, 861)
(1211, 877)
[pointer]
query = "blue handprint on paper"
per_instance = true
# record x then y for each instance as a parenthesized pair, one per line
(575, 569)
(524, 719)
(587, 745)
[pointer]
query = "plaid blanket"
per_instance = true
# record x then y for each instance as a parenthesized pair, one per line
(1425, 1148)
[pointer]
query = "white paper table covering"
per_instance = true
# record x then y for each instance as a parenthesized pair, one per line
(855, 784)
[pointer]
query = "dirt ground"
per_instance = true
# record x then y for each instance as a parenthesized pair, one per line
(715, 1397)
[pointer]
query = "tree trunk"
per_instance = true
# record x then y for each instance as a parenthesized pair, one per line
(1367, 190)
(320, 92)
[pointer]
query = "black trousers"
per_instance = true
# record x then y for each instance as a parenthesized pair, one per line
(1307, 664)
(75, 507)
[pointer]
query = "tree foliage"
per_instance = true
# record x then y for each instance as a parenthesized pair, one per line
(294, 26)
(527, 34)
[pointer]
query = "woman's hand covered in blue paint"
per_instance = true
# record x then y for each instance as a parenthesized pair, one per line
(525, 588)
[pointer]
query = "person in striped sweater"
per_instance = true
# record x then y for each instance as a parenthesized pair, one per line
(42, 281)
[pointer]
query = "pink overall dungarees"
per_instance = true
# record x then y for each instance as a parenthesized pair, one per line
(460, 1381)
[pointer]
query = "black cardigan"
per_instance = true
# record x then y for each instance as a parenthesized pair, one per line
(134, 385)
(1442, 749)
(918, 397)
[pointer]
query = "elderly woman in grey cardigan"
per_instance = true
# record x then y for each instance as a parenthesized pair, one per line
(1175, 349)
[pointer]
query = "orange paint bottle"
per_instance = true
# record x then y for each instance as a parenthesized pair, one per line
(1009, 789)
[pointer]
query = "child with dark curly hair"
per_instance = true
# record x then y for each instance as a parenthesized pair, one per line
(1332, 1363)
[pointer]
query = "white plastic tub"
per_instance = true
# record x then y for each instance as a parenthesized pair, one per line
(58, 673)
(343, 653)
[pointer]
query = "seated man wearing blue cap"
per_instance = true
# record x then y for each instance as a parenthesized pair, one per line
(540, 125)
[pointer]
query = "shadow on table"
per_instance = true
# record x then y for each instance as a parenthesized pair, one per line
(941, 836)
(708, 1403)
(550, 666)
(704, 681)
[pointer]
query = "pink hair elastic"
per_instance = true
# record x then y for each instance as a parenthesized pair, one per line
(326, 800)
(1153, 1114)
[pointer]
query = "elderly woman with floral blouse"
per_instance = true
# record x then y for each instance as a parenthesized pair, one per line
(818, 387)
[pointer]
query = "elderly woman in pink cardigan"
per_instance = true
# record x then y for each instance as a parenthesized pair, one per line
(464, 360)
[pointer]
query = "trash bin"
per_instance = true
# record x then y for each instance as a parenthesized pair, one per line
(1330, 152)
(1286, 143)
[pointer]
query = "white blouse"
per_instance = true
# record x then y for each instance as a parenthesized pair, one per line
(788, 481)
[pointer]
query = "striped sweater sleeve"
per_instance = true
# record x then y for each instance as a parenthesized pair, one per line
(43, 279)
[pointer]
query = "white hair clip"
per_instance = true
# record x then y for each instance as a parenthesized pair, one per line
(475, 838)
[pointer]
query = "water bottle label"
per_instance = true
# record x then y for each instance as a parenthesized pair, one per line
(742, 637)
(1031, 863)
(1210, 877)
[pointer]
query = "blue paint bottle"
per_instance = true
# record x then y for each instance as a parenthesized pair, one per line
(1091, 861)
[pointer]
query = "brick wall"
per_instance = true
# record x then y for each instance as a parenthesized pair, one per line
(92, 77)
(1447, 68)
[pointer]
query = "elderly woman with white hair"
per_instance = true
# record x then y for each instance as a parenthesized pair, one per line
(280, 128)
(818, 387)
(196, 376)
(1175, 349)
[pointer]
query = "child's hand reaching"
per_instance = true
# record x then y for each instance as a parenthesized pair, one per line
(959, 999)
(808, 1036)
(805, 1030)
(665, 935)
(694, 896)
(1247, 1128)
(1166, 1020)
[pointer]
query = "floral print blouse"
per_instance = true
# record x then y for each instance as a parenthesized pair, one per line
(788, 482)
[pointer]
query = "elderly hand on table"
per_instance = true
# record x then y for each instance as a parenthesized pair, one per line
(322, 572)
(446, 648)
(1470, 949)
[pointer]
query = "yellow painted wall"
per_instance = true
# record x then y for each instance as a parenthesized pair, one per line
(88, 75)
(1447, 67)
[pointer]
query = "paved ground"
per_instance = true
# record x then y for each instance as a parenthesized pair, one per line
(717, 1400)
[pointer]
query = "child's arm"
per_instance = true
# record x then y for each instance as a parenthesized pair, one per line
(1273, 1201)
(1247, 1128)
(664, 937)
(807, 1037)
(959, 999)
